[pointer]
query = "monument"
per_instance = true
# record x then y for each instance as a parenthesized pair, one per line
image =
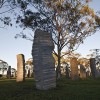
(67, 71)
(20, 68)
(9, 72)
(44, 64)
(82, 72)
(93, 68)
(74, 68)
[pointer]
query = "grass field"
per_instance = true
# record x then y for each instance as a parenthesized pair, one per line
(88, 89)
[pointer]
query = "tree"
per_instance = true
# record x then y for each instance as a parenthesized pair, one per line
(29, 67)
(69, 21)
(97, 19)
(56, 59)
(29, 63)
(3, 66)
(5, 7)
(95, 54)
(84, 61)
(13, 72)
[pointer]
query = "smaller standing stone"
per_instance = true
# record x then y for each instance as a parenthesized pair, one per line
(74, 68)
(29, 73)
(20, 68)
(87, 73)
(82, 72)
(9, 72)
(93, 67)
(67, 72)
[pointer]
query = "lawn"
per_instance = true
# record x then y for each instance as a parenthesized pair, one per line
(88, 89)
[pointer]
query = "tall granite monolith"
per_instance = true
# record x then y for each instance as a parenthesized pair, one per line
(82, 72)
(20, 68)
(44, 64)
(74, 68)
(93, 68)
(9, 72)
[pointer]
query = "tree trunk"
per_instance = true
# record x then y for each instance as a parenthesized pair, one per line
(58, 70)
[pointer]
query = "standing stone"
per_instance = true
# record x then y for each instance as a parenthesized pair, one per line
(67, 72)
(20, 68)
(87, 73)
(9, 72)
(44, 64)
(14, 74)
(82, 72)
(25, 73)
(29, 73)
(74, 68)
(93, 67)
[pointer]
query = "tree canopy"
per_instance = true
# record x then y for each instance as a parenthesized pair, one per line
(69, 21)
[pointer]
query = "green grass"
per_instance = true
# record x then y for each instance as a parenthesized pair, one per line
(88, 89)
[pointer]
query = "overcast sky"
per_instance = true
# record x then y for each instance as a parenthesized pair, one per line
(10, 47)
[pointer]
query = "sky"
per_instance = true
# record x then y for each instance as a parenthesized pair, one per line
(10, 47)
(91, 42)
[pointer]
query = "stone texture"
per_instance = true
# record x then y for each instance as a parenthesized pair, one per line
(9, 72)
(74, 68)
(20, 68)
(44, 64)
(93, 68)
(82, 72)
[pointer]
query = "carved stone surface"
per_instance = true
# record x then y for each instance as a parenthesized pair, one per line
(74, 68)
(82, 72)
(44, 65)
(9, 72)
(93, 68)
(20, 68)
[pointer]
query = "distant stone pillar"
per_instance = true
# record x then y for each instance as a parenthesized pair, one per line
(29, 73)
(14, 75)
(93, 67)
(20, 68)
(82, 72)
(74, 68)
(9, 72)
(87, 73)
(44, 65)
(67, 72)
